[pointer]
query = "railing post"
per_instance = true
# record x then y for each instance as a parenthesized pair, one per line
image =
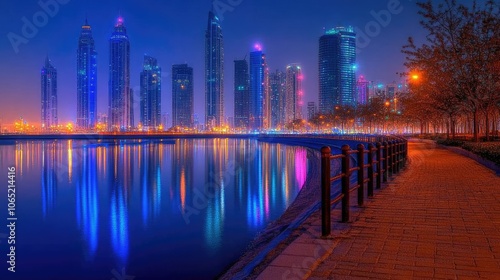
(394, 157)
(386, 162)
(389, 158)
(400, 155)
(403, 154)
(370, 170)
(361, 174)
(379, 164)
(325, 191)
(346, 165)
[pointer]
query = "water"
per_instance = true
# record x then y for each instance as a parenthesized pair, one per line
(153, 210)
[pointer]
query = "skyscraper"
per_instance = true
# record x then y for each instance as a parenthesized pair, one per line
(86, 80)
(214, 73)
(362, 90)
(311, 110)
(294, 94)
(259, 111)
(182, 96)
(120, 98)
(150, 94)
(337, 63)
(277, 92)
(241, 94)
(49, 95)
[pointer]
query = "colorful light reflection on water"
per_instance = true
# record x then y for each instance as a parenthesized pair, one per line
(183, 210)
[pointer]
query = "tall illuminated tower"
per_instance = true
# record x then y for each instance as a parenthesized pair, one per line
(241, 94)
(86, 80)
(49, 95)
(259, 101)
(120, 94)
(294, 93)
(214, 73)
(337, 63)
(182, 96)
(277, 96)
(362, 90)
(150, 94)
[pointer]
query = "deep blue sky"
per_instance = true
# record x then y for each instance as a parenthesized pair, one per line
(173, 31)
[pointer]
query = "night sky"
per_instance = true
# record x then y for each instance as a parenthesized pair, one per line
(173, 31)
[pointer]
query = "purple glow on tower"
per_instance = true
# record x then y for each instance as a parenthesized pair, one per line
(119, 21)
(257, 47)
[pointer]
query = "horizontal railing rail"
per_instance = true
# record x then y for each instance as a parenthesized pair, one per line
(384, 159)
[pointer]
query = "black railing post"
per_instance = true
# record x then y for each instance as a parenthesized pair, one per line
(386, 162)
(361, 174)
(371, 148)
(325, 191)
(400, 155)
(346, 165)
(379, 164)
(405, 143)
(389, 158)
(394, 157)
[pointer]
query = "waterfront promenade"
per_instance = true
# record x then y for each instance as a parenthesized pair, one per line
(440, 219)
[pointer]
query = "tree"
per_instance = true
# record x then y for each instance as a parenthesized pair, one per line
(459, 59)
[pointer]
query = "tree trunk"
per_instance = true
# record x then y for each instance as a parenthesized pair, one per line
(487, 125)
(475, 127)
(448, 128)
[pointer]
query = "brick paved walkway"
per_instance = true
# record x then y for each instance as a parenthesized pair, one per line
(440, 219)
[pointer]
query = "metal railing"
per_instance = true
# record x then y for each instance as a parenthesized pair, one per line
(390, 158)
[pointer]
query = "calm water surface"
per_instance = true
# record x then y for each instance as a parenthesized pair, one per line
(149, 209)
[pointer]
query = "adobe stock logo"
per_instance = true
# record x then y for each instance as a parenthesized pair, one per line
(222, 6)
(30, 28)
(373, 28)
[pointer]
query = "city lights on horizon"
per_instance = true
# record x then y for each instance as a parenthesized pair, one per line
(257, 46)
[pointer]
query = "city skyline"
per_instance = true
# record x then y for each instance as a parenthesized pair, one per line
(278, 56)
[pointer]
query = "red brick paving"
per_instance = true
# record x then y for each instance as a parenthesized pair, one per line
(439, 219)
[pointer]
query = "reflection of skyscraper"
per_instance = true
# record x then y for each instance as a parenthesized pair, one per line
(120, 178)
(49, 95)
(182, 96)
(49, 176)
(86, 81)
(215, 164)
(150, 172)
(277, 96)
(214, 73)
(150, 94)
(337, 58)
(120, 106)
(183, 172)
(241, 94)
(294, 93)
(87, 200)
(258, 89)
